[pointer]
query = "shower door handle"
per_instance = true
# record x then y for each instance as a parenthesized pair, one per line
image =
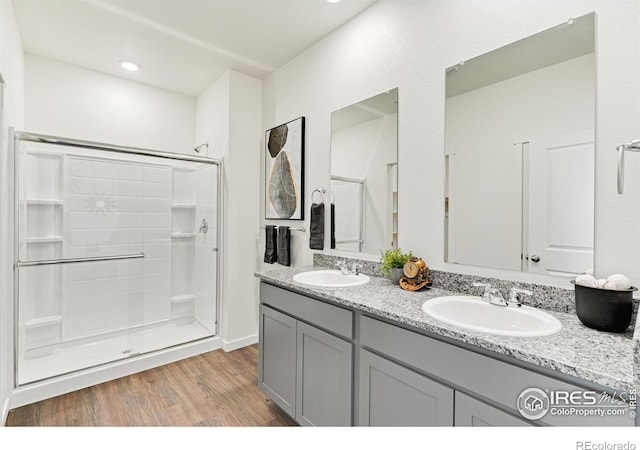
(48, 262)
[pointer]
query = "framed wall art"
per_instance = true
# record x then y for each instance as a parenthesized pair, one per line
(284, 171)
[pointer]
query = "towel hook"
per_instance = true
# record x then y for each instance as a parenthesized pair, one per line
(321, 191)
(633, 146)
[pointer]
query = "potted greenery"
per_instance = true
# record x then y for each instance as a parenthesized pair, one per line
(392, 261)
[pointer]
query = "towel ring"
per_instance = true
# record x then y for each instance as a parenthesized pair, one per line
(333, 197)
(320, 191)
(633, 146)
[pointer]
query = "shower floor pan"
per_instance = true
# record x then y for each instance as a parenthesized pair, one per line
(71, 356)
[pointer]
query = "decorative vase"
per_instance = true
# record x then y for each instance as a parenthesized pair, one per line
(396, 274)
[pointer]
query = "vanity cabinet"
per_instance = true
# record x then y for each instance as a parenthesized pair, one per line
(323, 381)
(278, 358)
(392, 395)
(306, 357)
(471, 372)
(474, 413)
(312, 352)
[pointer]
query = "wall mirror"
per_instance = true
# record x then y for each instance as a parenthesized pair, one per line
(519, 154)
(364, 174)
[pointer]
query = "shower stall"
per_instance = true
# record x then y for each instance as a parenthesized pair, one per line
(116, 253)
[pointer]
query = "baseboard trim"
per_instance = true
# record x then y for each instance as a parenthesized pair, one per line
(61, 385)
(5, 411)
(229, 346)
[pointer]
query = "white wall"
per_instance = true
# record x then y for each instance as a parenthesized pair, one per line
(12, 70)
(408, 45)
(481, 128)
(229, 117)
(69, 101)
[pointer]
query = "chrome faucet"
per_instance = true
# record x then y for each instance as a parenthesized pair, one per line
(346, 270)
(514, 296)
(342, 265)
(493, 296)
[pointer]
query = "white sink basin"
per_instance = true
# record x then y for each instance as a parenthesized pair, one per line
(476, 315)
(330, 279)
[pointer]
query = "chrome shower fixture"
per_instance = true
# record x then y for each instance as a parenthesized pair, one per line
(198, 148)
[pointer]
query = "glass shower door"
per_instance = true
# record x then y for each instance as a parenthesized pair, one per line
(112, 259)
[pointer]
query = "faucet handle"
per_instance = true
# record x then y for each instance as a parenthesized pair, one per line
(486, 291)
(486, 286)
(514, 295)
(355, 268)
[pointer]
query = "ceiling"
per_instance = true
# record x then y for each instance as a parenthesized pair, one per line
(180, 45)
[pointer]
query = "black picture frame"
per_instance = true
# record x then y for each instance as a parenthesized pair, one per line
(284, 171)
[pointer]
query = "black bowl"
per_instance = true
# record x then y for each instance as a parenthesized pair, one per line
(604, 309)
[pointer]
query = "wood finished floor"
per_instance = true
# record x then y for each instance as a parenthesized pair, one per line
(213, 389)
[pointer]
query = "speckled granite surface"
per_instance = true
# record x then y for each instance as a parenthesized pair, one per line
(547, 297)
(603, 358)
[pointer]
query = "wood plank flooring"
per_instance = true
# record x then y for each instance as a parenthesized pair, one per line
(213, 389)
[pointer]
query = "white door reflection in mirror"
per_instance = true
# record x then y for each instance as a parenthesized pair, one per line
(558, 204)
(519, 154)
(364, 173)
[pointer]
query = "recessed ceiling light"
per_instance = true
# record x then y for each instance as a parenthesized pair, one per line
(129, 65)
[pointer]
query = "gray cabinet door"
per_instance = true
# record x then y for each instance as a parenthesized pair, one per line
(323, 396)
(392, 395)
(277, 363)
(474, 413)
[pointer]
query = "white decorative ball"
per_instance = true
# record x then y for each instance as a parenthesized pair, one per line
(622, 283)
(601, 283)
(586, 280)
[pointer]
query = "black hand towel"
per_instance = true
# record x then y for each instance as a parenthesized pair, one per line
(284, 238)
(316, 228)
(271, 239)
(333, 225)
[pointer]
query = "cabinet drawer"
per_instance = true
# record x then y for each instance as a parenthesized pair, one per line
(332, 318)
(497, 381)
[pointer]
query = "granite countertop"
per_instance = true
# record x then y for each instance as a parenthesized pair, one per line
(598, 357)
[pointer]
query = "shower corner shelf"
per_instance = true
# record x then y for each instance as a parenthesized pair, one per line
(183, 235)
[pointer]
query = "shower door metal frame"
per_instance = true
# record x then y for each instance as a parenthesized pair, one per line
(363, 185)
(14, 139)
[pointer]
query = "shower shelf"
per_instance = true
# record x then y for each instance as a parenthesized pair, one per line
(183, 206)
(183, 235)
(43, 201)
(43, 239)
(43, 321)
(182, 298)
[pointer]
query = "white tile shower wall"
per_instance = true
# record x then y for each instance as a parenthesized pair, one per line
(116, 208)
